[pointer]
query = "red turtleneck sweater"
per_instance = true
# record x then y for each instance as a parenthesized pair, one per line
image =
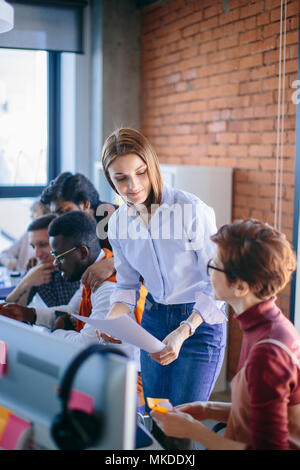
(273, 379)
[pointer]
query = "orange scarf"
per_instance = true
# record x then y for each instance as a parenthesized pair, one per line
(85, 307)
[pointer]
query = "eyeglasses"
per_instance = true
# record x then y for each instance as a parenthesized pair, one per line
(211, 266)
(58, 259)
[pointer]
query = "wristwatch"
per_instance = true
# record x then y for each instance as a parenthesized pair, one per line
(192, 329)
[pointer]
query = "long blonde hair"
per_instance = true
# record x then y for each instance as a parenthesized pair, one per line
(124, 141)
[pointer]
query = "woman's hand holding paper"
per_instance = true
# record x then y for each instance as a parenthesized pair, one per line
(173, 344)
(117, 309)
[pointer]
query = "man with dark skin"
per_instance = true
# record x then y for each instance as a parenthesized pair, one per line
(75, 247)
(43, 279)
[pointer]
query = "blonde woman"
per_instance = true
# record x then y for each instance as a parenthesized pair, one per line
(161, 236)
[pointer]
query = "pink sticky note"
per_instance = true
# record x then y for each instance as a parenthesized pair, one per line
(15, 433)
(81, 401)
(3, 357)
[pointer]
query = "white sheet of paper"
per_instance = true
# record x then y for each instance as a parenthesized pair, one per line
(126, 329)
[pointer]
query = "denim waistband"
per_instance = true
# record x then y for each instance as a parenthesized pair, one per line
(150, 302)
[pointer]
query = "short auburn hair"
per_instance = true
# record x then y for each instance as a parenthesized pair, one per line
(124, 141)
(256, 253)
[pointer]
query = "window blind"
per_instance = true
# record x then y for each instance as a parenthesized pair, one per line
(46, 25)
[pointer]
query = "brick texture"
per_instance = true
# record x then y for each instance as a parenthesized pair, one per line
(210, 97)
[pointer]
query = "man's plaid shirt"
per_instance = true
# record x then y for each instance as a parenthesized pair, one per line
(58, 291)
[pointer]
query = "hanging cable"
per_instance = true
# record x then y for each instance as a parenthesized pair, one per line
(280, 120)
(282, 123)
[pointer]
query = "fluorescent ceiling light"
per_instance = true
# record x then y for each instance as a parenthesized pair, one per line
(6, 17)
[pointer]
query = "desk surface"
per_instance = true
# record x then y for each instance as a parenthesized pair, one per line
(154, 443)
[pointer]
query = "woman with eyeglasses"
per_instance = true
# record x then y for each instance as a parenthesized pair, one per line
(162, 236)
(252, 264)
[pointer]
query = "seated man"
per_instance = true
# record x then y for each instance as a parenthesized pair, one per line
(75, 246)
(43, 284)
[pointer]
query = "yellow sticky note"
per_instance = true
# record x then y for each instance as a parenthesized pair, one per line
(162, 405)
(4, 417)
(160, 409)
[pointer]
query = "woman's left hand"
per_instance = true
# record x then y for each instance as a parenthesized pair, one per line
(173, 344)
(174, 423)
(98, 272)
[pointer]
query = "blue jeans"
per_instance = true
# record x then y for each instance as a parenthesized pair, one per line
(193, 374)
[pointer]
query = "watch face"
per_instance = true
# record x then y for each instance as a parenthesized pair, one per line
(192, 329)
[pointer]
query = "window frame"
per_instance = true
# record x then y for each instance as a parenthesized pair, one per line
(54, 131)
(296, 223)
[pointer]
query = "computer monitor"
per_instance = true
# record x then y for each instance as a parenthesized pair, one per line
(36, 363)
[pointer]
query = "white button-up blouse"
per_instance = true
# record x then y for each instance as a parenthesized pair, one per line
(170, 255)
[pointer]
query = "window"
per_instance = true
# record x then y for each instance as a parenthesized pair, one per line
(295, 290)
(29, 133)
(15, 216)
(23, 118)
(31, 104)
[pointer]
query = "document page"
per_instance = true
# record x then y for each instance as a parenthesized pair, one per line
(126, 329)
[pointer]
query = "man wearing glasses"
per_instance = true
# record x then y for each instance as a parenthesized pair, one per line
(43, 284)
(75, 247)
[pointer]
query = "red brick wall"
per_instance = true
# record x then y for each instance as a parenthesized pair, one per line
(210, 94)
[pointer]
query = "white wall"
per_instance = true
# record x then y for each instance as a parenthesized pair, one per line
(121, 64)
(101, 88)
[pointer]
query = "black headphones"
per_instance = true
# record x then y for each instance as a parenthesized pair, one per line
(76, 429)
